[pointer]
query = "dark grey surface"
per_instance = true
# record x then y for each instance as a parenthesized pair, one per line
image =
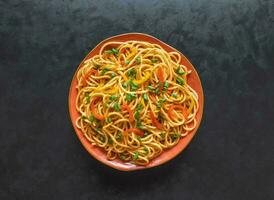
(231, 44)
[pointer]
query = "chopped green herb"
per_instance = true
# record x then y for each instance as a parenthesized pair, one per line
(139, 107)
(88, 99)
(91, 118)
(175, 136)
(160, 102)
(96, 66)
(179, 71)
(139, 125)
(135, 155)
(124, 85)
(98, 128)
(145, 97)
(139, 138)
(113, 97)
(108, 120)
(162, 135)
(166, 85)
(117, 107)
(110, 141)
(112, 51)
(137, 115)
(104, 71)
(127, 62)
(174, 95)
(145, 149)
(133, 86)
(115, 51)
(157, 90)
(180, 81)
(150, 87)
(112, 75)
(132, 73)
(138, 59)
(154, 60)
(106, 105)
(130, 97)
(122, 156)
(119, 137)
(108, 52)
(83, 117)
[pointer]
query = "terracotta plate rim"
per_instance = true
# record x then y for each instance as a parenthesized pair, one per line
(124, 167)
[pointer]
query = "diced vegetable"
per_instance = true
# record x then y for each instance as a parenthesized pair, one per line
(174, 95)
(108, 120)
(154, 121)
(119, 137)
(138, 60)
(165, 86)
(91, 118)
(102, 138)
(180, 107)
(112, 51)
(180, 81)
(113, 97)
(132, 73)
(130, 112)
(154, 60)
(110, 141)
(180, 71)
(135, 155)
(160, 75)
(175, 136)
(145, 97)
(104, 70)
(136, 131)
(117, 107)
(94, 110)
(122, 156)
(130, 97)
(143, 79)
(133, 86)
(160, 103)
(124, 85)
(112, 75)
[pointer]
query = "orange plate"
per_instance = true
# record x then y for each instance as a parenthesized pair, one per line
(98, 153)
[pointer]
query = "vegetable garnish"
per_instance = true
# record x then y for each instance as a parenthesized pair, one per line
(180, 81)
(130, 112)
(136, 131)
(154, 121)
(113, 97)
(180, 71)
(179, 107)
(117, 107)
(130, 97)
(145, 97)
(112, 51)
(135, 155)
(94, 110)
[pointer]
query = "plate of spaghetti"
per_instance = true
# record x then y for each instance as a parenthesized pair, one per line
(135, 102)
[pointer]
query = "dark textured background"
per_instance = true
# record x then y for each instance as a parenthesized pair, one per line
(231, 44)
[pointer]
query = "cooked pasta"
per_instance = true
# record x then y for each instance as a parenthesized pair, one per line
(134, 100)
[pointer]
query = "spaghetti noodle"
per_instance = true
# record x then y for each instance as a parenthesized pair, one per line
(134, 100)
